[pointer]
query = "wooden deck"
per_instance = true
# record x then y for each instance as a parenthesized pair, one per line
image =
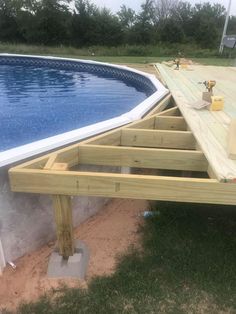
(165, 156)
(209, 128)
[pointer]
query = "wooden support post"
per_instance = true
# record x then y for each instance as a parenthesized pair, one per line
(64, 225)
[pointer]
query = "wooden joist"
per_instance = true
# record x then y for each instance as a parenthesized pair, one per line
(160, 106)
(52, 158)
(158, 138)
(170, 123)
(147, 123)
(142, 157)
(174, 111)
(123, 186)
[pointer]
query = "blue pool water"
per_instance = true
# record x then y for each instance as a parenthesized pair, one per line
(39, 102)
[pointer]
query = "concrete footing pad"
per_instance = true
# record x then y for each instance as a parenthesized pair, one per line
(74, 267)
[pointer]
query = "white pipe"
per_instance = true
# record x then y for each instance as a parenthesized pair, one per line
(2, 258)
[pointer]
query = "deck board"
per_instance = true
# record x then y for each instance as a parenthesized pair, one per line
(210, 128)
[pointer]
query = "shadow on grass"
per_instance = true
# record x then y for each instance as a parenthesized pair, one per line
(188, 265)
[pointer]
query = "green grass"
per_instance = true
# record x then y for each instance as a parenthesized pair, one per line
(124, 54)
(187, 265)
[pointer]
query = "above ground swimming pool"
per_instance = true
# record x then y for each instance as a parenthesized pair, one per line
(48, 102)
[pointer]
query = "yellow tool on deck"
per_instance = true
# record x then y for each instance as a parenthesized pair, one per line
(215, 102)
(209, 85)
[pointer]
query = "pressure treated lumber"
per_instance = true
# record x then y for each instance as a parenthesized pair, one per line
(158, 138)
(52, 158)
(160, 106)
(64, 227)
(209, 128)
(147, 123)
(142, 157)
(68, 154)
(110, 138)
(123, 186)
(170, 123)
(174, 111)
(232, 140)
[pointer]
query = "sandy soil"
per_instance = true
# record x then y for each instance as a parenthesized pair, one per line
(107, 234)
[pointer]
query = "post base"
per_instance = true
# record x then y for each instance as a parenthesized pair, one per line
(73, 267)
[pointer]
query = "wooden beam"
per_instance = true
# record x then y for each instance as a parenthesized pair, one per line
(160, 106)
(64, 226)
(60, 166)
(146, 123)
(158, 138)
(68, 155)
(211, 173)
(170, 123)
(52, 158)
(143, 157)
(123, 186)
(231, 145)
(108, 138)
(170, 112)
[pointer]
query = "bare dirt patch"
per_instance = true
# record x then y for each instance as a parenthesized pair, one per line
(107, 234)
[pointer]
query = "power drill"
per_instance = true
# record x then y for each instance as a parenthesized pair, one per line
(209, 85)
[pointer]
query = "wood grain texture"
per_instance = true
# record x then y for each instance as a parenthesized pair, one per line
(170, 123)
(160, 106)
(174, 111)
(64, 227)
(52, 158)
(209, 128)
(143, 157)
(232, 140)
(158, 138)
(124, 186)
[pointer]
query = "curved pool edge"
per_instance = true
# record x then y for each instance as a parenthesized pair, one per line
(45, 145)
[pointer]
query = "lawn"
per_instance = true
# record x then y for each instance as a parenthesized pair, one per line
(186, 265)
(129, 54)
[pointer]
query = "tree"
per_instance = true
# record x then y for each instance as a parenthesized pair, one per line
(172, 18)
(144, 26)
(9, 30)
(232, 25)
(107, 30)
(126, 17)
(52, 22)
(163, 9)
(207, 23)
(83, 22)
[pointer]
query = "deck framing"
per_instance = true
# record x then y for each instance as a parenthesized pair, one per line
(161, 142)
(142, 145)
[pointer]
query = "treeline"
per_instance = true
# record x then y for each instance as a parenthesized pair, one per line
(80, 23)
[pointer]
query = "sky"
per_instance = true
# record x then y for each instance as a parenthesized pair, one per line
(114, 5)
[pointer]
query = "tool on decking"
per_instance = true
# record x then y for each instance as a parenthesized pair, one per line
(209, 85)
(213, 103)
